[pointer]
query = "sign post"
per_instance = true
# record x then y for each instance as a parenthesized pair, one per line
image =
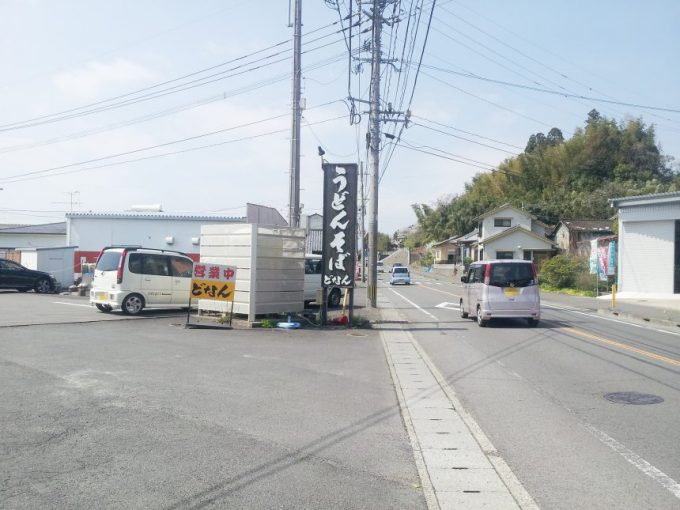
(339, 231)
(214, 282)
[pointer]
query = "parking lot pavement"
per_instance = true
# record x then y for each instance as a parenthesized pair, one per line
(28, 309)
(146, 414)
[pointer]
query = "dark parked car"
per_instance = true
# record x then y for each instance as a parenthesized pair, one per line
(16, 276)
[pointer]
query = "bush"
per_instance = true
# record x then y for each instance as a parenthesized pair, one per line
(585, 281)
(561, 271)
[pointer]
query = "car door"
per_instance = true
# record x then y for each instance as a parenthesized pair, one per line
(182, 269)
(468, 294)
(476, 286)
(156, 279)
(312, 278)
(13, 275)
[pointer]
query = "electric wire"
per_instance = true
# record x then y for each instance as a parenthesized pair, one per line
(156, 146)
(78, 111)
(154, 156)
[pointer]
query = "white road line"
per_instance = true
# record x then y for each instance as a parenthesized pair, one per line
(70, 304)
(415, 305)
(633, 458)
(619, 321)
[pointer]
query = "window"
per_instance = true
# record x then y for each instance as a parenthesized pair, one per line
(181, 267)
(502, 222)
(10, 266)
(156, 265)
(511, 275)
(313, 266)
(505, 255)
(476, 274)
(135, 263)
(109, 261)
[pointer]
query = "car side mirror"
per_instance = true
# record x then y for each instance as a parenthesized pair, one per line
(463, 279)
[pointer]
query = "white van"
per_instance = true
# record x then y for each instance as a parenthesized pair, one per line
(313, 272)
(494, 289)
(132, 279)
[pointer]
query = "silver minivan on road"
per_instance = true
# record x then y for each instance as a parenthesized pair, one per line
(496, 289)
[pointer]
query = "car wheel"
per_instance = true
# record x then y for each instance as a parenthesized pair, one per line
(43, 286)
(480, 320)
(463, 313)
(532, 322)
(132, 304)
(334, 298)
(103, 308)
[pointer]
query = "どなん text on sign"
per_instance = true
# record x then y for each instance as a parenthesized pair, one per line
(214, 282)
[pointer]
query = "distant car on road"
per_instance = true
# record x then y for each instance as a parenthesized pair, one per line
(381, 267)
(400, 275)
(16, 276)
(395, 265)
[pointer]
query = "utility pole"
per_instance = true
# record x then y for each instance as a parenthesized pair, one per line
(362, 224)
(374, 153)
(294, 190)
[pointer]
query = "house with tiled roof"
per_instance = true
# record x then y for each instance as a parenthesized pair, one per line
(573, 237)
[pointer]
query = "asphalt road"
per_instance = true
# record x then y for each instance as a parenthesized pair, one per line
(538, 393)
(144, 414)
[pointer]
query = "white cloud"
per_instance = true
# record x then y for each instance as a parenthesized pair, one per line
(95, 77)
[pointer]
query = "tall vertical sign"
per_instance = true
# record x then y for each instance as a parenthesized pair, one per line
(339, 225)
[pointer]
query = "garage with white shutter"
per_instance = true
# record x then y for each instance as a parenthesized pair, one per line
(649, 251)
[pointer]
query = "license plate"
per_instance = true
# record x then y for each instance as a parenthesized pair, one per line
(511, 292)
(100, 296)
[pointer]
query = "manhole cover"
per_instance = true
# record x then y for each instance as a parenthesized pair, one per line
(633, 397)
(357, 334)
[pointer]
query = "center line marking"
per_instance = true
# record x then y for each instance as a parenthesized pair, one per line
(438, 290)
(623, 346)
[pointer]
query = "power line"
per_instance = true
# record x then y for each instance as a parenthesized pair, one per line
(466, 139)
(154, 156)
(143, 149)
(553, 92)
(153, 116)
(83, 110)
(466, 132)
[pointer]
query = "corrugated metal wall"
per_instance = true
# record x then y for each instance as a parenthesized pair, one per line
(647, 253)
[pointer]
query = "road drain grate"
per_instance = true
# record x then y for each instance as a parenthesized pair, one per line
(633, 397)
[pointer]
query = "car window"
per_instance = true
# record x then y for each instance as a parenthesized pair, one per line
(400, 270)
(312, 266)
(10, 266)
(156, 265)
(477, 274)
(511, 275)
(181, 267)
(135, 263)
(108, 261)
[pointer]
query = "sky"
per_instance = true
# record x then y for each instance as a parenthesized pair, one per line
(107, 105)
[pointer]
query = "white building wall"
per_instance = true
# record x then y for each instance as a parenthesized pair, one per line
(516, 218)
(92, 234)
(516, 242)
(32, 240)
(646, 253)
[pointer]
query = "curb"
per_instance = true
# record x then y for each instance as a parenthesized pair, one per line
(636, 319)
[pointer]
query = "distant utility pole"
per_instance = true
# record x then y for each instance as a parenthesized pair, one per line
(71, 203)
(294, 189)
